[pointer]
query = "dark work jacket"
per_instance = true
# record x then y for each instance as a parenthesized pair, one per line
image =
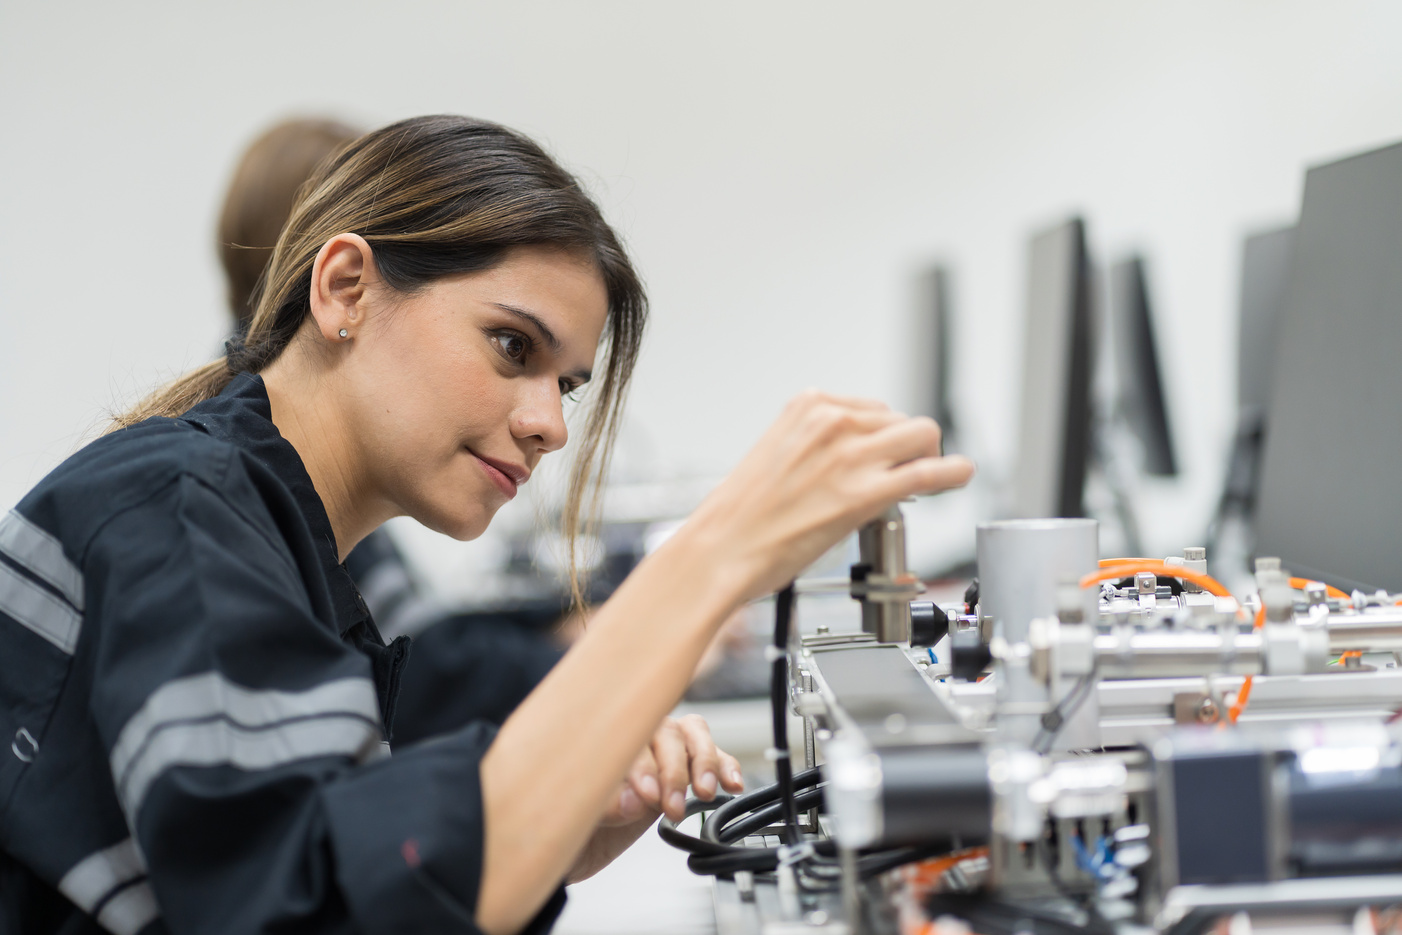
(466, 666)
(194, 700)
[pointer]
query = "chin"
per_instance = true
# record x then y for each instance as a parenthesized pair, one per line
(457, 525)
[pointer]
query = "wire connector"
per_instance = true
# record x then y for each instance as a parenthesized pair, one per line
(790, 854)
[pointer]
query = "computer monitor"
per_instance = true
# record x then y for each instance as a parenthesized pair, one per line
(1055, 419)
(1330, 501)
(931, 343)
(1138, 378)
(1265, 277)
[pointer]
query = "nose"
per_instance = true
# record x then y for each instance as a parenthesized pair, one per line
(539, 416)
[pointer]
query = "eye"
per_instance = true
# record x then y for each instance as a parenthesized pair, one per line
(570, 390)
(513, 344)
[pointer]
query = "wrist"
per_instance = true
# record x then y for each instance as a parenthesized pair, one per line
(707, 555)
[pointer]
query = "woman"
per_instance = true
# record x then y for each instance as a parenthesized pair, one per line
(196, 694)
(464, 666)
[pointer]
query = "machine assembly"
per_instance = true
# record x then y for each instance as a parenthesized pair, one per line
(1114, 745)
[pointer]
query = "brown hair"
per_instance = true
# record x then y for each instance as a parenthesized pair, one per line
(436, 197)
(260, 197)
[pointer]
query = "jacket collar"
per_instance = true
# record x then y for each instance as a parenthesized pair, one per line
(242, 416)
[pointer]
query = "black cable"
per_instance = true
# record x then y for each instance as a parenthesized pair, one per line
(778, 699)
(872, 865)
(1055, 719)
(712, 852)
(682, 841)
(729, 811)
(766, 816)
(742, 804)
(753, 859)
(999, 918)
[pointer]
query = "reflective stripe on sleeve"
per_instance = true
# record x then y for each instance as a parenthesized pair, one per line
(111, 882)
(97, 875)
(39, 610)
(129, 911)
(41, 553)
(206, 720)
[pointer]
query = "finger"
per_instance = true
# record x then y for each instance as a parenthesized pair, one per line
(815, 397)
(705, 761)
(834, 421)
(630, 804)
(669, 750)
(644, 778)
(731, 779)
(928, 475)
(903, 441)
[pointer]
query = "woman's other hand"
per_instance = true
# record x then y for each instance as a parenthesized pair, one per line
(827, 465)
(681, 753)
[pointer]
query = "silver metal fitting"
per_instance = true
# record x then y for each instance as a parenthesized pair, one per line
(1194, 560)
(886, 587)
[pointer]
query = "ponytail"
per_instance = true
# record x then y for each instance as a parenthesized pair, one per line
(179, 395)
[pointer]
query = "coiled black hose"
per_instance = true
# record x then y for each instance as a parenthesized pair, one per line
(734, 818)
(750, 801)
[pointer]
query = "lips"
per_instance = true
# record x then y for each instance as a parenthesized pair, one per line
(504, 474)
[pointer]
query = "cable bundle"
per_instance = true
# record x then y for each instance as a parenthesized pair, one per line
(716, 853)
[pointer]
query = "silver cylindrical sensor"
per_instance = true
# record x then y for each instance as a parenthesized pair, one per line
(886, 587)
(1023, 562)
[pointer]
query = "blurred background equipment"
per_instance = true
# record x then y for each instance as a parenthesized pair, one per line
(1140, 401)
(932, 341)
(1265, 281)
(1054, 436)
(1328, 501)
(1131, 441)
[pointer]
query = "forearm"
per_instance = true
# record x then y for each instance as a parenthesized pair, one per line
(564, 750)
(607, 843)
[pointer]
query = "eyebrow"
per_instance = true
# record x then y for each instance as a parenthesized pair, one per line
(531, 318)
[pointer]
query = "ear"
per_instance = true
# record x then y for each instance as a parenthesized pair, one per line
(343, 271)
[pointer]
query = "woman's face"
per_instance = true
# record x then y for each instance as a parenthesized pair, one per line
(455, 392)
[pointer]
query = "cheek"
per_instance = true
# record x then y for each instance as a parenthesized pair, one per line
(430, 386)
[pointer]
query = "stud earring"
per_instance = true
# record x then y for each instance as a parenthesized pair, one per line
(344, 333)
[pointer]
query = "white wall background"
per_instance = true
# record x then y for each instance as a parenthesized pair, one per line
(781, 171)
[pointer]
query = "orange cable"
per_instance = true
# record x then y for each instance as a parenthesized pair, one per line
(1244, 694)
(1111, 568)
(1299, 584)
(1125, 568)
(1122, 568)
(928, 873)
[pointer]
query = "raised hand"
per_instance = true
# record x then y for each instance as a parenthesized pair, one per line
(826, 465)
